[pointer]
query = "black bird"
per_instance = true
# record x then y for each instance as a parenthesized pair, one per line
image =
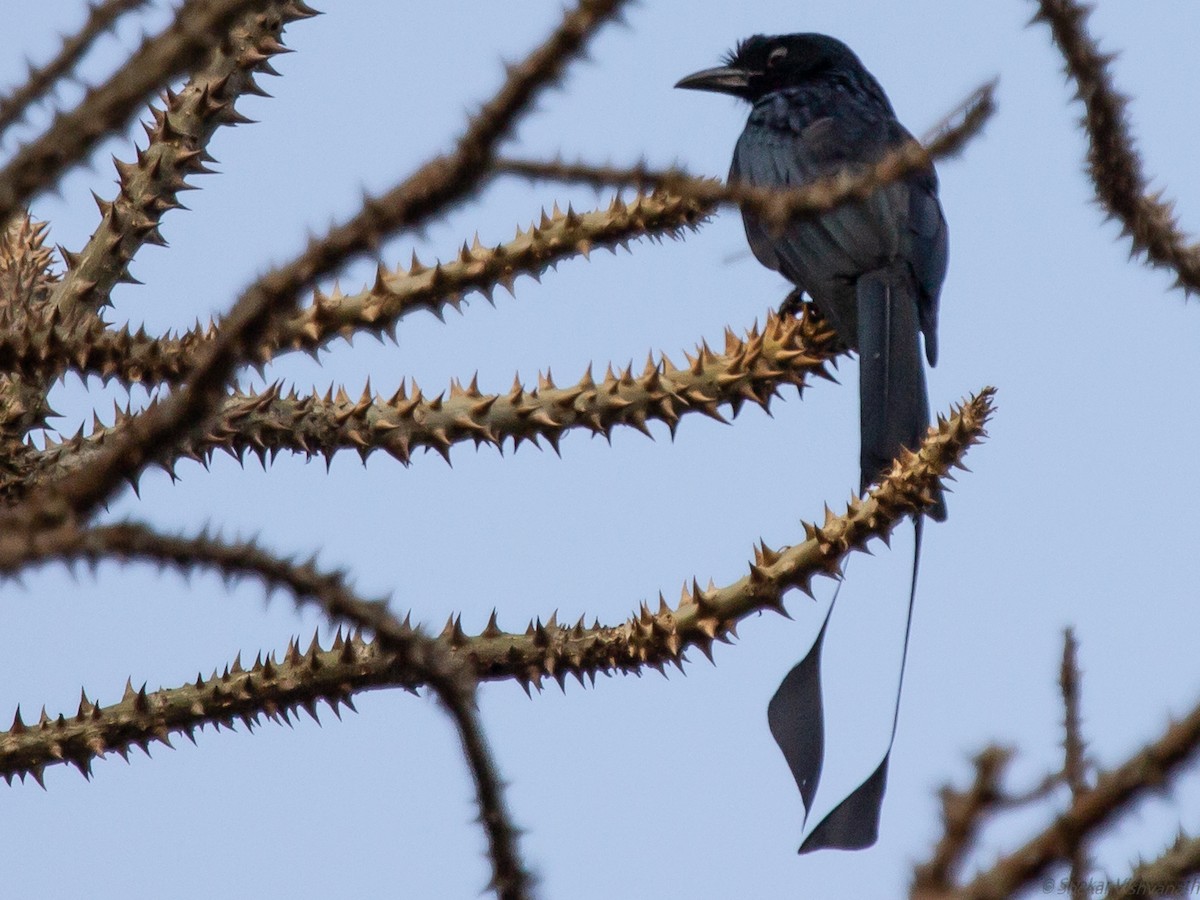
(874, 269)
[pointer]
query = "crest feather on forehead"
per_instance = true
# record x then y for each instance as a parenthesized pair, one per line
(744, 48)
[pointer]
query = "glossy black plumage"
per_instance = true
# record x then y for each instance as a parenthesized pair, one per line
(874, 268)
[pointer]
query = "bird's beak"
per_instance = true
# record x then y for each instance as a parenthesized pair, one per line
(722, 80)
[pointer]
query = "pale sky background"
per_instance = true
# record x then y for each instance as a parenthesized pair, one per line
(1079, 509)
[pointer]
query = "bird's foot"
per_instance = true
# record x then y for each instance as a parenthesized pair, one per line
(793, 304)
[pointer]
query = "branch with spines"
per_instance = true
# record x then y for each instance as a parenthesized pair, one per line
(1093, 806)
(178, 136)
(753, 368)
(1172, 873)
(450, 178)
(274, 688)
(424, 661)
(1075, 767)
(47, 345)
(26, 268)
(102, 16)
(647, 639)
(430, 191)
(557, 237)
(1114, 165)
(26, 280)
(62, 505)
(777, 206)
(70, 499)
(963, 815)
(147, 189)
(705, 615)
(198, 26)
(1113, 791)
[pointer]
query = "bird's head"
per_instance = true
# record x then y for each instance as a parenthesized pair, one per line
(762, 64)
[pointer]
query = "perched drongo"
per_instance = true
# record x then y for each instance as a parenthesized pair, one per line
(874, 269)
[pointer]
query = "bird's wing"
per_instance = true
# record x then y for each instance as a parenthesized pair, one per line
(929, 253)
(822, 255)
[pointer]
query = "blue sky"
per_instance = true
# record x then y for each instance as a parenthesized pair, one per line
(1078, 510)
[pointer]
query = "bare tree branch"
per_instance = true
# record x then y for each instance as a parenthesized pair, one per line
(754, 368)
(42, 79)
(1074, 762)
(447, 179)
(180, 132)
(412, 658)
(1114, 791)
(778, 207)
(44, 346)
(1171, 874)
(1115, 167)
(198, 25)
(963, 815)
(702, 616)
(429, 191)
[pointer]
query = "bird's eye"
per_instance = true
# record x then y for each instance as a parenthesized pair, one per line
(778, 55)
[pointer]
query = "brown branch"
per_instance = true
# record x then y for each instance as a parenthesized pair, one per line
(74, 496)
(42, 79)
(510, 879)
(963, 814)
(429, 191)
(1172, 874)
(26, 280)
(1142, 774)
(406, 657)
(43, 346)
(412, 659)
(1113, 162)
(177, 140)
(198, 25)
(272, 688)
(788, 351)
(448, 179)
(646, 639)
(777, 207)
(1074, 763)
(558, 236)
(1040, 791)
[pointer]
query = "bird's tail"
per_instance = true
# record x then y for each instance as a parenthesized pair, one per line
(893, 403)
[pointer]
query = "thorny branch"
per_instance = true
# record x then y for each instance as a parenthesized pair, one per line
(1113, 162)
(963, 815)
(178, 137)
(402, 655)
(433, 188)
(1074, 760)
(50, 325)
(777, 207)
(1171, 874)
(753, 368)
(55, 511)
(198, 25)
(42, 79)
(1090, 809)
